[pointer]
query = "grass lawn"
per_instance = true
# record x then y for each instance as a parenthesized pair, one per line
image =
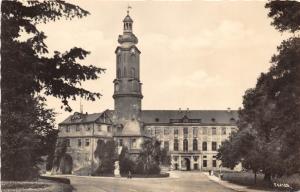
(34, 186)
(247, 179)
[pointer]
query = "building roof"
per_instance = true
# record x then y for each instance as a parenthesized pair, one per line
(192, 116)
(127, 19)
(165, 116)
(81, 118)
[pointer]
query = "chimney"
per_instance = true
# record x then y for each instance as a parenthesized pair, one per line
(80, 106)
(228, 110)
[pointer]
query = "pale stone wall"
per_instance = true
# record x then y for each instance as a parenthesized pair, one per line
(82, 144)
(203, 134)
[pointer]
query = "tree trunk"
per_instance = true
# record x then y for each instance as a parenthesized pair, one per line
(255, 175)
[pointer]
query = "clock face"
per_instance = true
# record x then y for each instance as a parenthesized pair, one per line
(132, 51)
(119, 52)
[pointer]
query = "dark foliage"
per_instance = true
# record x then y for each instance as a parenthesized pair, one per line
(269, 123)
(149, 158)
(125, 162)
(106, 155)
(60, 151)
(26, 74)
(285, 15)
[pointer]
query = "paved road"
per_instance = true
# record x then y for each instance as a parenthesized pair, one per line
(178, 182)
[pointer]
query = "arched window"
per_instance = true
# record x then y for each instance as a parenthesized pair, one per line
(119, 59)
(119, 73)
(214, 146)
(133, 86)
(185, 145)
(175, 144)
(195, 145)
(204, 146)
(132, 72)
(125, 73)
(117, 87)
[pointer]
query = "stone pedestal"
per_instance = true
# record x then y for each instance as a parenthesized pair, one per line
(117, 169)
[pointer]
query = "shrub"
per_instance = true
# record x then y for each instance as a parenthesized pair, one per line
(57, 179)
(106, 154)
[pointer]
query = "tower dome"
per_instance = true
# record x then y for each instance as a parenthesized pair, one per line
(127, 19)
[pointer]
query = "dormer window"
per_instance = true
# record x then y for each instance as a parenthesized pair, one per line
(213, 119)
(67, 128)
(156, 119)
(76, 116)
(232, 119)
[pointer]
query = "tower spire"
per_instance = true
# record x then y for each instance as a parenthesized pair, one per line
(128, 21)
(128, 8)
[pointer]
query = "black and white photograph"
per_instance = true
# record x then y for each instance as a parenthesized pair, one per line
(150, 96)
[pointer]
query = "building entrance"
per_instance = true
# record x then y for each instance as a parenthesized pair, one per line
(187, 163)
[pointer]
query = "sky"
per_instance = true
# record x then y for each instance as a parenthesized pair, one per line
(194, 54)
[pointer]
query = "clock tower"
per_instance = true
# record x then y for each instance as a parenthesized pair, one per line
(127, 86)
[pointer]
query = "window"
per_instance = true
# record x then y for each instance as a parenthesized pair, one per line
(166, 145)
(68, 143)
(176, 132)
(77, 128)
(214, 131)
(195, 131)
(204, 163)
(204, 130)
(153, 131)
(87, 142)
(68, 128)
(99, 128)
(132, 71)
(79, 142)
(195, 145)
(156, 119)
(157, 131)
(119, 73)
(214, 163)
(120, 142)
(117, 87)
(214, 146)
(119, 57)
(166, 131)
(185, 145)
(204, 146)
(119, 129)
(175, 144)
(196, 166)
(108, 128)
(223, 130)
(204, 156)
(185, 131)
(124, 72)
(88, 127)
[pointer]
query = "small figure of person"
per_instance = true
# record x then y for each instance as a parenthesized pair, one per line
(129, 174)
